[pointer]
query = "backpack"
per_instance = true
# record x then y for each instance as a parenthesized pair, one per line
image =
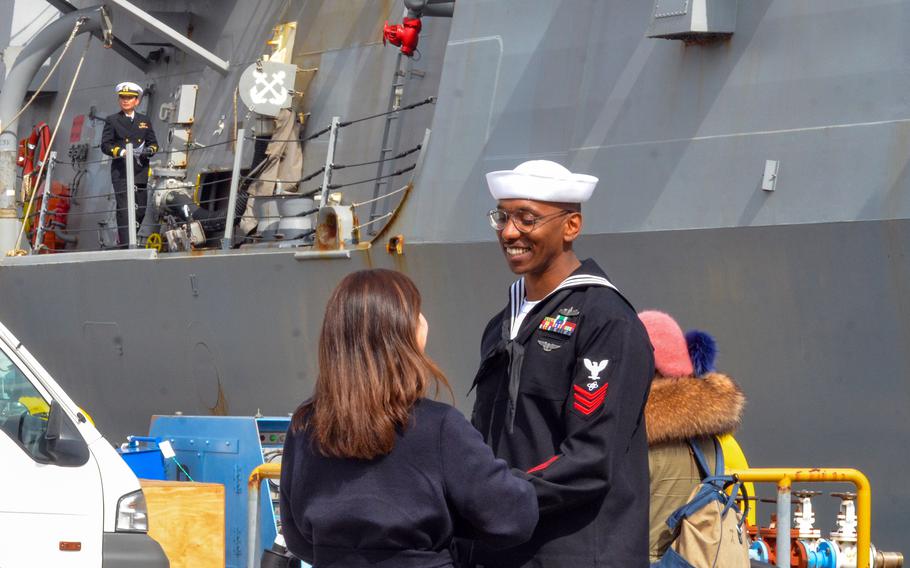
(709, 528)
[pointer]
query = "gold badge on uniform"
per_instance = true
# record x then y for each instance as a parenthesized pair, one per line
(143, 124)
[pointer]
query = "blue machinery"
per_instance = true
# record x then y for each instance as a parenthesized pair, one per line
(230, 450)
(226, 449)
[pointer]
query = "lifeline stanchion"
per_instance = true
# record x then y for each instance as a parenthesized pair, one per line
(42, 219)
(228, 239)
(130, 195)
(329, 158)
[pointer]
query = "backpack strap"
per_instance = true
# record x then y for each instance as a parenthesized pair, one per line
(719, 468)
(705, 495)
(702, 462)
(712, 486)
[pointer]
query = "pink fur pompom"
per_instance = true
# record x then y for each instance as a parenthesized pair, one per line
(671, 354)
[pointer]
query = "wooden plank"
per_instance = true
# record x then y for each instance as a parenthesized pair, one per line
(187, 519)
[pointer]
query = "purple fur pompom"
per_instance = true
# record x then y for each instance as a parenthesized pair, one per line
(702, 351)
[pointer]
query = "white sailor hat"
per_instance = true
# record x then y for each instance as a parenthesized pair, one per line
(541, 180)
(128, 88)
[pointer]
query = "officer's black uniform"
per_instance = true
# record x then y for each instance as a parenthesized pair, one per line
(564, 402)
(119, 130)
(401, 510)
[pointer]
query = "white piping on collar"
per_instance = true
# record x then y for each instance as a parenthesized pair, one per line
(517, 290)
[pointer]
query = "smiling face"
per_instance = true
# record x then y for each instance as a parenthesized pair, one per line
(535, 252)
(128, 103)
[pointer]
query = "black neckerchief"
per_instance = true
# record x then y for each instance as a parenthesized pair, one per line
(516, 347)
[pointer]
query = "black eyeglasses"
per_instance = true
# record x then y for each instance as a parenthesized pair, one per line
(524, 221)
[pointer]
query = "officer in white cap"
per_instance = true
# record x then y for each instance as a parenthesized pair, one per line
(563, 381)
(128, 126)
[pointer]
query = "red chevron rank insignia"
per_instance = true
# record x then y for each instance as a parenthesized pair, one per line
(587, 401)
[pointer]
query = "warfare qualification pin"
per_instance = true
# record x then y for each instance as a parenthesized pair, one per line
(548, 346)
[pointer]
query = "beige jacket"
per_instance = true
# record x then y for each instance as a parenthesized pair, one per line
(679, 409)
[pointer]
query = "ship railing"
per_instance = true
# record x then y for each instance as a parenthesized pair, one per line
(50, 220)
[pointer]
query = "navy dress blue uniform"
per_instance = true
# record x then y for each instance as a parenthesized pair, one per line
(563, 402)
(401, 510)
(119, 130)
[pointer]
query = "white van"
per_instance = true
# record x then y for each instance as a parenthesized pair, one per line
(66, 497)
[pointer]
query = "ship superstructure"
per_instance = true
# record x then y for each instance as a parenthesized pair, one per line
(753, 183)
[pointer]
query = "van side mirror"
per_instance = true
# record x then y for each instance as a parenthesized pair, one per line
(63, 443)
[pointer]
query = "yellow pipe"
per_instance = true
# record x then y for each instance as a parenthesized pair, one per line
(734, 458)
(265, 471)
(785, 476)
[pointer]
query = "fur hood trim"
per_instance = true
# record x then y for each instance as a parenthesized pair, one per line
(688, 407)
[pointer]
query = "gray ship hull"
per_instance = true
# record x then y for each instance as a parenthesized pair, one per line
(806, 287)
(806, 316)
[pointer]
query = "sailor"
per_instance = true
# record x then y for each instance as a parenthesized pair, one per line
(563, 381)
(128, 126)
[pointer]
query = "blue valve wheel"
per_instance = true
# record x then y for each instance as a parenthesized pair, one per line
(826, 554)
(759, 551)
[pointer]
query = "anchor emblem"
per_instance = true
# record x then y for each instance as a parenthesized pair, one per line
(268, 92)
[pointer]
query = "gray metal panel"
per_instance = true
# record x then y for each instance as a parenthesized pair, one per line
(810, 319)
(688, 126)
(6, 26)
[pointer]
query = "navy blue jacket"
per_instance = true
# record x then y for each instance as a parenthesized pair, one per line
(563, 402)
(401, 510)
(120, 130)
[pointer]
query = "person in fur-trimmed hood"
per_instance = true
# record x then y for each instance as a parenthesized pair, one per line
(688, 399)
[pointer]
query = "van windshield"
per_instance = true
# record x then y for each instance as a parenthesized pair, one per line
(23, 411)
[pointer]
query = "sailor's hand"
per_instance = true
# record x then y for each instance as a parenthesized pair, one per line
(150, 151)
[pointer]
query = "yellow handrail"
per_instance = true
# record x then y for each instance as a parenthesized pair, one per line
(261, 472)
(265, 471)
(784, 477)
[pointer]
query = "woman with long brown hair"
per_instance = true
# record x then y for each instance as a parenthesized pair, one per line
(375, 474)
